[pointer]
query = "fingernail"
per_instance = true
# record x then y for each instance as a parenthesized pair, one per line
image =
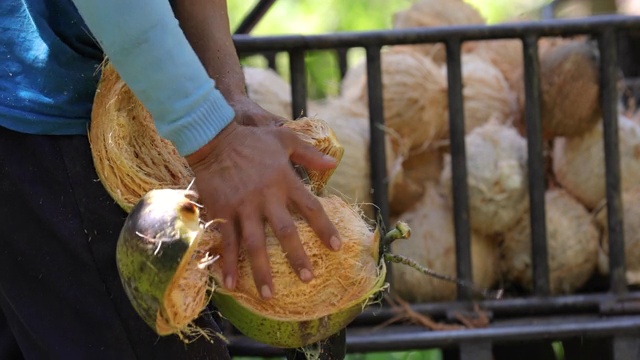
(335, 243)
(228, 282)
(306, 275)
(266, 292)
(328, 158)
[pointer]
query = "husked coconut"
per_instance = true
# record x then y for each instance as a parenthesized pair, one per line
(572, 243)
(435, 13)
(433, 245)
(569, 89)
(351, 180)
(578, 162)
(631, 231)
(496, 177)
(417, 170)
(269, 90)
(414, 93)
(486, 93)
(504, 54)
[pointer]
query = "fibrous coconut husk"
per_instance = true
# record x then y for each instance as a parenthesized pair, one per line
(129, 155)
(569, 89)
(269, 90)
(486, 93)
(414, 93)
(351, 180)
(433, 246)
(504, 54)
(572, 243)
(496, 177)
(631, 231)
(436, 13)
(578, 162)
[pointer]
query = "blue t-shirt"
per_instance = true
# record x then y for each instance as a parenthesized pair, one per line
(49, 67)
(50, 59)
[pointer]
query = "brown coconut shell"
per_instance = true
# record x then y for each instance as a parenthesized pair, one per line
(269, 90)
(572, 243)
(433, 245)
(569, 89)
(631, 231)
(436, 13)
(578, 162)
(414, 93)
(486, 93)
(496, 177)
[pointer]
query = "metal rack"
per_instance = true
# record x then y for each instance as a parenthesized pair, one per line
(611, 313)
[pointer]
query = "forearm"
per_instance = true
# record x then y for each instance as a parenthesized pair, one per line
(147, 47)
(206, 25)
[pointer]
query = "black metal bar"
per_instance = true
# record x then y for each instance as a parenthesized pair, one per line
(609, 98)
(626, 347)
(536, 170)
(402, 338)
(459, 184)
(342, 61)
(474, 350)
(598, 303)
(255, 15)
(298, 83)
(271, 59)
(556, 27)
(377, 156)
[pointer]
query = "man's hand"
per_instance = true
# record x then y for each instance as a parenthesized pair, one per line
(244, 177)
(249, 113)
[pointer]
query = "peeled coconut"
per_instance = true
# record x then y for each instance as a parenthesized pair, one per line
(569, 89)
(578, 162)
(414, 93)
(436, 13)
(166, 255)
(351, 180)
(417, 170)
(631, 231)
(504, 54)
(269, 90)
(572, 243)
(486, 93)
(433, 246)
(496, 177)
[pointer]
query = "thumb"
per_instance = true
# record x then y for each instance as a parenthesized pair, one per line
(306, 155)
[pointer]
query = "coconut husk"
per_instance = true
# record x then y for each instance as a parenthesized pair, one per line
(572, 243)
(269, 90)
(578, 162)
(414, 93)
(631, 231)
(496, 177)
(504, 54)
(433, 245)
(486, 93)
(569, 89)
(128, 154)
(436, 13)
(329, 290)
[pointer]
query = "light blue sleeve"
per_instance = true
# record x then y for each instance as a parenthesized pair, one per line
(143, 40)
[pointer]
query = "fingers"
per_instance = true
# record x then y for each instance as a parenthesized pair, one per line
(253, 239)
(229, 253)
(286, 232)
(305, 154)
(311, 209)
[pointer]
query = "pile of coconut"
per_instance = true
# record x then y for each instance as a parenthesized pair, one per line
(419, 163)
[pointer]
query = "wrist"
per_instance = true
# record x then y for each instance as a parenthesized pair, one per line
(200, 154)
